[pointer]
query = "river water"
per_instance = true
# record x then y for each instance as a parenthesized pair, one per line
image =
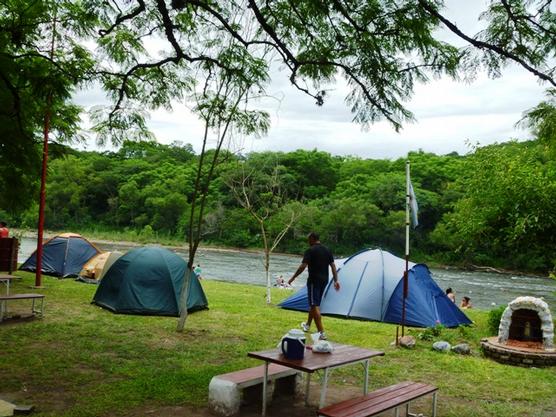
(485, 289)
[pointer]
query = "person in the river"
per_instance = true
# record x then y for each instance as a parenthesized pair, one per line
(451, 294)
(466, 303)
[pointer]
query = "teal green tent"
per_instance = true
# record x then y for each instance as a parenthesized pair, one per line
(148, 281)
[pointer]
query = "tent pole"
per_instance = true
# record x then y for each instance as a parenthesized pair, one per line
(405, 275)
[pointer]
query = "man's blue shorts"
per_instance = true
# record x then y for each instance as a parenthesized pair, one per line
(315, 290)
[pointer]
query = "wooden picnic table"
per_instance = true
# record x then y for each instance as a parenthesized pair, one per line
(342, 355)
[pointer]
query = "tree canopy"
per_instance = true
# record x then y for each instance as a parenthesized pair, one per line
(148, 55)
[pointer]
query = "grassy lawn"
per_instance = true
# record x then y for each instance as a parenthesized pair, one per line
(81, 360)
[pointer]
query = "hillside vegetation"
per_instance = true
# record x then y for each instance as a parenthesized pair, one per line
(491, 207)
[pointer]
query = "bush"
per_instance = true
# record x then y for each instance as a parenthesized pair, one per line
(494, 317)
(431, 333)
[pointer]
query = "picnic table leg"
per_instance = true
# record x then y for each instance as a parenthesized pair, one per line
(434, 404)
(323, 388)
(366, 381)
(37, 311)
(3, 305)
(8, 287)
(265, 385)
(307, 386)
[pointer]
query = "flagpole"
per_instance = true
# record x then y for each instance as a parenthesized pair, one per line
(405, 275)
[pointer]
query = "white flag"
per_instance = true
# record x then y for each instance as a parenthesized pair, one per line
(413, 205)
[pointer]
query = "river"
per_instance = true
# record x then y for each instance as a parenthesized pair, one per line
(485, 289)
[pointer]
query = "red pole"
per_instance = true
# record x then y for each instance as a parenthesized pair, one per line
(46, 129)
(38, 272)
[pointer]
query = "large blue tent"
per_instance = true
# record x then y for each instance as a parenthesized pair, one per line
(372, 288)
(62, 256)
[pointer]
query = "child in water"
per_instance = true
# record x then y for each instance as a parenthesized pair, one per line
(466, 302)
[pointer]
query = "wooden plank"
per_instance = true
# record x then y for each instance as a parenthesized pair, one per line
(20, 296)
(371, 408)
(392, 403)
(370, 396)
(255, 373)
(378, 401)
(342, 354)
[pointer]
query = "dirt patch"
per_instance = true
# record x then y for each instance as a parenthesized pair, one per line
(283, 405)
(18, 317)
(168, 411)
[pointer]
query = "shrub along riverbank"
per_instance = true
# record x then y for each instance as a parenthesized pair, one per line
(81, 360)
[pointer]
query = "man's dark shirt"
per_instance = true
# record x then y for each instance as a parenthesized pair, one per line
(318, 258)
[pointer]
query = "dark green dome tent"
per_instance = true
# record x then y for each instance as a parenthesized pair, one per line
(148, 281)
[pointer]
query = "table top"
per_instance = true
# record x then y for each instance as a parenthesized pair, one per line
(342, 354)
(7, 277)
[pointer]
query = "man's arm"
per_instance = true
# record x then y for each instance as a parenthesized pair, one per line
(335, 276)
(299, 271)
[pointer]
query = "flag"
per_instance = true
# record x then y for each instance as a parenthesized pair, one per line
(413, 206)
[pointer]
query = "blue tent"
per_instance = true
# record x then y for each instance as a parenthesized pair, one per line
(371, 289)
(62, 256)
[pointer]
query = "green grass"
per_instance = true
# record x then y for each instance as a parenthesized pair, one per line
(81, 360)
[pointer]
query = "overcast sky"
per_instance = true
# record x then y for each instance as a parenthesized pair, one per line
(449, 115)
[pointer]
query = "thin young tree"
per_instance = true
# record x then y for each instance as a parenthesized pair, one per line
(262, 194)
(221, 105)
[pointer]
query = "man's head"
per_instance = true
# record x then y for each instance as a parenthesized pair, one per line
(3, 224)
(313, 238)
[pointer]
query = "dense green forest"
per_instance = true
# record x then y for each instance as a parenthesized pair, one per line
(492, 207)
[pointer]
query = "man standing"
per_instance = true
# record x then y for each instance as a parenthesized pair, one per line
(318, 258)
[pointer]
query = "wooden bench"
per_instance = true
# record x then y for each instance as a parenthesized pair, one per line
(5, 298)
(383, 399)
(228, 391)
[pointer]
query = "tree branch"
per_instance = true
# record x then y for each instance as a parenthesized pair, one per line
(122, 18)
(484, 45)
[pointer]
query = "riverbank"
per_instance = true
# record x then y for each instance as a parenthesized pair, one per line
(81, 360)
(133, 238)
(486, 290)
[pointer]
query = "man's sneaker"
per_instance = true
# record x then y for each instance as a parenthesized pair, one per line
(322, 336)
(305, 327)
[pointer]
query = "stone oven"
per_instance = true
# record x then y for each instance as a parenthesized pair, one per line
(525, 335)
(527, 319)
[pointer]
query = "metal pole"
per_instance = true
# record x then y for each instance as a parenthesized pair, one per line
(323, 388)
(366, 382)
(405, 275)
(265, 385)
